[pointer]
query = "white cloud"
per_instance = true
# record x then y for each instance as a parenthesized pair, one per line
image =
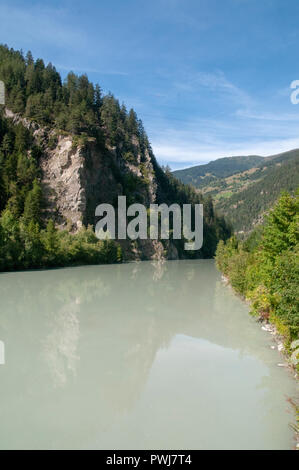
(245, 127)
(264, 116)
(218, 85)
(182, 154)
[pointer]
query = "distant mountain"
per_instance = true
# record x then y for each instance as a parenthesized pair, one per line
(200, 175)
(243, 196)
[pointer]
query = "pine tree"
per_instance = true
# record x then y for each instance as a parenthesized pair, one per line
(32, 208)
(279, 234)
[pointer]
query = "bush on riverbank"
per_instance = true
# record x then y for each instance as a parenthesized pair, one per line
(265, 267)
(24, 246)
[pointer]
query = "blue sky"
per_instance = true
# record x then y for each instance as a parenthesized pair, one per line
(209, 78)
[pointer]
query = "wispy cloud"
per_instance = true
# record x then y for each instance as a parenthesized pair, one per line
(182, 154)
(90, 70)
(36, 22)
(161, 56)
(216, 84)
(204, 140)
(264, 116)
(238, 124)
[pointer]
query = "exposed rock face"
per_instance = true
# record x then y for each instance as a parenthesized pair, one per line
(77, 177)
(75, 181)
(62, 183)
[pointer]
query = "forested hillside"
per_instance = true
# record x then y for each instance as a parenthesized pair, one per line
(201, 175)
(64, 148)
(246, 208)
(244, 197)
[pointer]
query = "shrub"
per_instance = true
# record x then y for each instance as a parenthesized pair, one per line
(265, 267)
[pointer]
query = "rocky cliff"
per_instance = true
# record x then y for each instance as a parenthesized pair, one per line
(77, 175)
(84, 148)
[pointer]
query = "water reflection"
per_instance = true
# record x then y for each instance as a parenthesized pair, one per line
(61, 344)
(94, 352)
(159, 269)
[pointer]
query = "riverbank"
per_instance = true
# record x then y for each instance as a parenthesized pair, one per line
(280, 344)
(266, 325)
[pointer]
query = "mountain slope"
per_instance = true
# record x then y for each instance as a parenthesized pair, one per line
(244, 196)
(246, 207)
(64, 149)
(201, 175)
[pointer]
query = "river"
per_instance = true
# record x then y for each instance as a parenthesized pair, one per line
(143, 355)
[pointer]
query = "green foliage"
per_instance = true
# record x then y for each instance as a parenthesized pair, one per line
(281, 229)
(249, 204)
(32, 206)
(27, 246)
(24, 241)
(53, 141)
(171, 190)
(244, 188)
(285, 282)
(18, 166)
(265, 267)
(130, 158)
(222, 167)
(76, 107)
